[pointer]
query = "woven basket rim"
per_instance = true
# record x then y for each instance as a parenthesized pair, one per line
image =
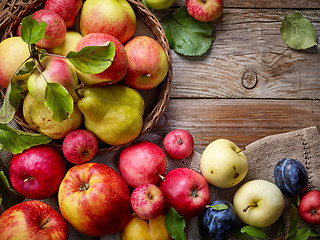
(11, 14)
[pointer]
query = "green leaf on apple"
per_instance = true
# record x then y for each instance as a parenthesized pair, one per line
(31, 30)
(15, 141)
(187, 35)
(175, 225)
(218, 207)
(254, 232)
(298, 32)
(59, 101)
(11, 102)
(9, 196)
(93, 59)
(27, 68)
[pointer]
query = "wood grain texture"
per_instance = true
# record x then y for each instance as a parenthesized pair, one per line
(240, 120)
(272, 4)
(248, 45)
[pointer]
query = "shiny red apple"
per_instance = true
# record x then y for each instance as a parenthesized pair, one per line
(309, 207)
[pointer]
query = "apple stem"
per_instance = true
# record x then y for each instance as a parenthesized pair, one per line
(160, 176)
(241, 150)
(45, 222)
(249, 206)
(28, 179)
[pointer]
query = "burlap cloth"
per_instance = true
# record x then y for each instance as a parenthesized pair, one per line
(303, 145)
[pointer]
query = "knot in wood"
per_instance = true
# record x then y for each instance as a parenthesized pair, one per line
(249, 79)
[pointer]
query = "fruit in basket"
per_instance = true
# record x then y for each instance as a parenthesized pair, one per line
(223, 164)
(33, 220)
(147, 201)
(219, 220)
(55, 31)
(258, 203)
(13, 52)
(178, 144)
(55, 69)
(113, 17)
(291, 176)
(94, 199)
(112, 113)
(186, 191)
(39, 119)
(138, 228)
(117, 69)
(79, 146)
(205, 11)
(69, 44)
(147, 63)
(160, 4)
(309, 207)
(36, 173)
(142, 162)
(67, 9)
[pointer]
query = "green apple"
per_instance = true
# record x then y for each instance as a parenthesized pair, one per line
(223, 164)
(13, 52)
(160, 4)
(140, 229)
(258, 203)
(69, 44)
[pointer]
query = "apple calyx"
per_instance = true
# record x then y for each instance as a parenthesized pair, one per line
(249, 206)
(313, 212)
(194, 193)
(42, 225)
(84, 186)
(180, 141)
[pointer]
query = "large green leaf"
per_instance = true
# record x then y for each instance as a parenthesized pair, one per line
(187, 35)
(9, 196)
(298, 32)
(254, 232)
(59, 101)
(93, 59)
(11, 102)
(15, 141)
(31, 30)
(175, 225)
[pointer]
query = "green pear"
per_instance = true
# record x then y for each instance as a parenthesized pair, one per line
(113, 113)
(39, 119)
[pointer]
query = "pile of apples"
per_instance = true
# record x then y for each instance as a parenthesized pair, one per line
(140, 63)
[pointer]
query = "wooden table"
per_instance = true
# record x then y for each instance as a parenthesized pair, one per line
(250, 84)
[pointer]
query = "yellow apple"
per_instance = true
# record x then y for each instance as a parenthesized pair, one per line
(258, 203)
(160, 4)
(140, 229)
(69, 44)
(223, 164)
(13, 52)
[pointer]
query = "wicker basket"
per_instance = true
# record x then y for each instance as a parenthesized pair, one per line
(11, 14)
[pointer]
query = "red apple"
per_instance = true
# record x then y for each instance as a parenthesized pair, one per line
(112, 74)
(114, 17)
(67, 9)
(94, 199)
(205, 10)
(55, 70)
(142, 162)
(37, 172)
(55, 31)
(147, 201)
(33, 220)
(186, 191)
(309, 208)
(147, 63)
(79, 146)
(178, 144)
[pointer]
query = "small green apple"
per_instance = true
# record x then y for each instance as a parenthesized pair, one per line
(223, 164)
(258, 203)
(160, 4)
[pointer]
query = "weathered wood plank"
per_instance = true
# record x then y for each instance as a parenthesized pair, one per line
(248, 46)
(240, 120)
(272, 4)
